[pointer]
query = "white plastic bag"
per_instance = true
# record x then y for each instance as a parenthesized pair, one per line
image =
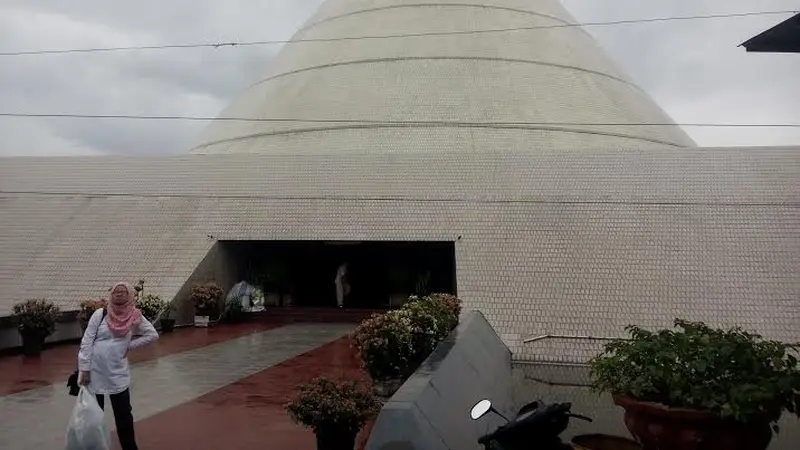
(86, 430)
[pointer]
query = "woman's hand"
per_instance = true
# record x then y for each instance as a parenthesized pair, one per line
(85, 378)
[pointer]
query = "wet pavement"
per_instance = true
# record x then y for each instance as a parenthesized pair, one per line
(18, 373)
(166, 380)
(249, 414)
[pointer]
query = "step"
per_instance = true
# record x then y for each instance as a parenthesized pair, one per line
(296, 314)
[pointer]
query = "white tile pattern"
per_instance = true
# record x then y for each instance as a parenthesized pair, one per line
(557, 241)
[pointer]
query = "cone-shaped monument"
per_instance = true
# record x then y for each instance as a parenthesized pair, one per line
(454, 85)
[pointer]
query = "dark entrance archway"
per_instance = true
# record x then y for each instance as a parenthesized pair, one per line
(379, 274)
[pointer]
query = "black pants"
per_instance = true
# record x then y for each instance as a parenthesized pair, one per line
(123, 418)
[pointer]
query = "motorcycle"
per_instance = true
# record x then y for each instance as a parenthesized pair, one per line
(536, 426)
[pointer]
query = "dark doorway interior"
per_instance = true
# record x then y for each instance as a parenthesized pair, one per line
(379, 274)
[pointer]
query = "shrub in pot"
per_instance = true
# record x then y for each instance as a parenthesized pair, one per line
(205, 298)
(85, 310)
(385, 344)
(695, 385)
(432, 319)
(151, 306)
(335, 411)
(394, 344)
(234, 311)
(167, 323)
(444, 308)
(35, 319)
(450, 304)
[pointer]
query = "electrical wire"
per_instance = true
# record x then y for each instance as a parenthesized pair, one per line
(390, 36)
(394, 122)
(388, 198)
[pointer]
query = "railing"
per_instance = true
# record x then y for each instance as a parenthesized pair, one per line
(592, 338)
(571, 337)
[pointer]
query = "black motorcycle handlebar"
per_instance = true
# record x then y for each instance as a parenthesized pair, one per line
(578, 416)
(550, 411)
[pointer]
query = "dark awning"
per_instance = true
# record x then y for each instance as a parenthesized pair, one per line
(782, 38)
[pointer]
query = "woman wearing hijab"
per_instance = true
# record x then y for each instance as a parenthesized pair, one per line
(102, 359)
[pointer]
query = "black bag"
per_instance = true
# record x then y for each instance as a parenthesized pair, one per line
(72, 382)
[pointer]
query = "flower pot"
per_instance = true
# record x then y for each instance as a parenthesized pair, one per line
(33, 342)
(201, 321)
(167, 325)
(603, 442)
(335, 439)
(659, 427)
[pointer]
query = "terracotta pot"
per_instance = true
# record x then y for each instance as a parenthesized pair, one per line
(335, 439)
(658, 427)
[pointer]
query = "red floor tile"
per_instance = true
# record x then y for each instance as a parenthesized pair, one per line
(18, 373)
(249, 414)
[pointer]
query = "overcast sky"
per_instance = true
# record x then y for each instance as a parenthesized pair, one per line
(693, 69)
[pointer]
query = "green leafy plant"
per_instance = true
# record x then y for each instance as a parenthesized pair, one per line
(167, 311)
(206, 298)
(87, 307)
(36, 316)
(326, 404)
(392, 345)
(386, 345)
(234, 310)
(443, 308)
(151, 305)
(432, 318)
(731, 373)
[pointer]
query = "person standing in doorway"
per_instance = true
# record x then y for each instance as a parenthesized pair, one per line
(342, 285)
(103, 357)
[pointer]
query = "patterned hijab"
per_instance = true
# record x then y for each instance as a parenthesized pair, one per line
(122, 314)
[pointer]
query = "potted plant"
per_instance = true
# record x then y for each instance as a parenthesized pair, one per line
(234, 311)
(205, 298)
(393, 345)
(385, 343)
(85, 310)
(36, 319)
(151, 306)
(335, 411)
(725, 388)
(167, 323)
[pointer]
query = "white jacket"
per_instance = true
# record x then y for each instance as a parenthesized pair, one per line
(105, 355)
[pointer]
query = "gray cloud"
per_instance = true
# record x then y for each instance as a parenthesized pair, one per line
(693, 69)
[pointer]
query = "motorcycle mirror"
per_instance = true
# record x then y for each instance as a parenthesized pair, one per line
(480, 409)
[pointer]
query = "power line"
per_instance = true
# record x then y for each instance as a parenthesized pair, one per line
(390, 36)
(391, 122)
(387, 198)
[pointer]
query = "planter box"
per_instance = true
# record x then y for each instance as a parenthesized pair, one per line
(201, 321)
